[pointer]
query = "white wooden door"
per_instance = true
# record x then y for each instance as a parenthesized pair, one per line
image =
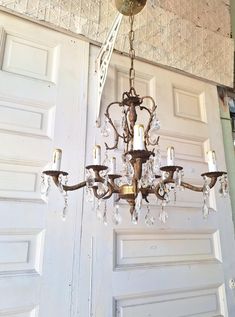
(43, 84)
(181, 268)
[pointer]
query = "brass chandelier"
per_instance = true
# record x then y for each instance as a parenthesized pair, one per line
(142, 174)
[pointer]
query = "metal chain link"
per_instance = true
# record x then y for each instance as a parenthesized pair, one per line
(131, 52)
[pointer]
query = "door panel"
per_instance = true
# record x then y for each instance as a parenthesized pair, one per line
(42, 106)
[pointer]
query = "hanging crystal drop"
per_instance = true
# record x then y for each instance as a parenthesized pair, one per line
(105, 220)
(163, 216)
(101, 189)
(157, 161)
(138, 202)
(105, 130)
(226, 186)
(45, 187)
(223, 190)
(123, 124)
(65, 209)
(98, 210)
(149, 172)
(134, 217)
(127, 170)
(89, 195)
(106, 161)
(205, 210)
(116, 215)
(60, 183)
(155, 124)
(154, 127)
(206, 193)
(90, 178)
(161, 188)
(149, 218)
(178, 178)
(175, 194)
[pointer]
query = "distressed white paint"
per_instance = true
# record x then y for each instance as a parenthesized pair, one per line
(147, 248)
(29, 119)
(29, 58)
(206, 303)
(42, 106)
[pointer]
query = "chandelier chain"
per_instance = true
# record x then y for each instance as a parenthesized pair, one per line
(131, 52)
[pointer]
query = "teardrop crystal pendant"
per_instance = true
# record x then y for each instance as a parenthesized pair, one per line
(102, 189)
(105, 129)
(163, 216)
(89, 195)
(116, 215)
(127, 170)
(157, 161)
(138, 203)
(99, 213)
(178, 178)
(155, 124)
(134, 218)
(106, 162)
(223, 190)
(62, 179)
(149, 218)
(105, 220)
(205, 210)
(45, 187)
(206, 194)
(90, 178)
(65, 209)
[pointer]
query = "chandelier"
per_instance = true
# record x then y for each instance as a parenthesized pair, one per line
(141, 174)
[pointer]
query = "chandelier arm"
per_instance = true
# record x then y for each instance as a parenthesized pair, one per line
(155, 191)
(67, 188)
(103, 196)
(74, 187)
(109, 118)
(212, 183)
(115, 143)
(152, 143)
(129, 134)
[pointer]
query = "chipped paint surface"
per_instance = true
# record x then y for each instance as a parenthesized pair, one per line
(193, 36)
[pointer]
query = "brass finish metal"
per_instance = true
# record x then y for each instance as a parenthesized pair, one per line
(54, 173)
(127, 190)
(171, 168)
(213, 174)
(129, 7)
(97, 168)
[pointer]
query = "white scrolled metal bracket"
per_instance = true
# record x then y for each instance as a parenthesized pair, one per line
(103, 60)
(125, 7)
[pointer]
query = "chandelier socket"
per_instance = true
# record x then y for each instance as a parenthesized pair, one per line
(213, 174)
(54, 173)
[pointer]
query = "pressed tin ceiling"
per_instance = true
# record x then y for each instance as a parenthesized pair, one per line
(192, 36)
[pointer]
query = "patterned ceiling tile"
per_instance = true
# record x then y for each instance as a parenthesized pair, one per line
(193, 36)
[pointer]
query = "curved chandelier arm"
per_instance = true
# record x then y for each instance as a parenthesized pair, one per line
(56, 175)
(117, 135)
(107, 194)
(213, 176)
(151, 116)
(213, 180)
